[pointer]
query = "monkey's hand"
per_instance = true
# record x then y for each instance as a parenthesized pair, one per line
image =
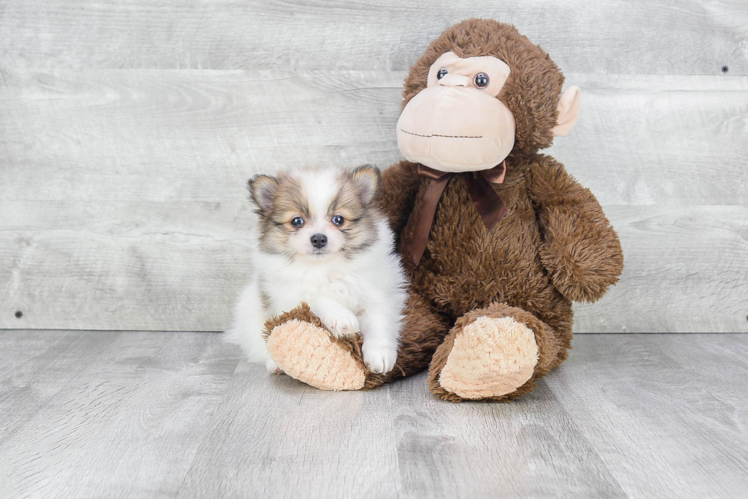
(580, 249)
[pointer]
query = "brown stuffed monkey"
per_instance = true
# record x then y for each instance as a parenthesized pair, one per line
(497, 239)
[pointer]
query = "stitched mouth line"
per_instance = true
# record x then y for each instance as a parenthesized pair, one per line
(439, 135)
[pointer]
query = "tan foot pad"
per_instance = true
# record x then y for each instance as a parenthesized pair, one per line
(305, 352)
(491, 357)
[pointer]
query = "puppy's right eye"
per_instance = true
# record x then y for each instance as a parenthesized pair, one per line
(297, 222)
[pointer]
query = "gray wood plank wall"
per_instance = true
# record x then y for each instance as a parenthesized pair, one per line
(127, 131)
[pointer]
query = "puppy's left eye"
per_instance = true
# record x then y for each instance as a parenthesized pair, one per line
(338, 220)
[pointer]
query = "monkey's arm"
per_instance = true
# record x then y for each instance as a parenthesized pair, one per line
(580, 249)
(397, 196)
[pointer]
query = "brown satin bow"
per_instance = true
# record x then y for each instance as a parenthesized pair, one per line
(490, 207)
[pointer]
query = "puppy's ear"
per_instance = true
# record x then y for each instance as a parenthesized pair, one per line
(262, 191)
(366, 179)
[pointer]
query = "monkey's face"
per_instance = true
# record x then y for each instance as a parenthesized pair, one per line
(457, 123)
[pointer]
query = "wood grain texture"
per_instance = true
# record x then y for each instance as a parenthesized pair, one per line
(153, 414)
(184, 135)
(173, 265)
(128, 421)
(160, 265)
(642, 36)
(686, 270)
(720, 364)
(489, 450)
(651, 416)
(124, 206)
(36, 366)
(645, 140)
(347, 438)
(198, 135)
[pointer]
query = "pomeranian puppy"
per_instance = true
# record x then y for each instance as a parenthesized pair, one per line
(322, 240)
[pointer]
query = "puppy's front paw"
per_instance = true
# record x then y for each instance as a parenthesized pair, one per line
(341, 323)
(379, 359)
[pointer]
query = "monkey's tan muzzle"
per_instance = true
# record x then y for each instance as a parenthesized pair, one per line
(455, 129)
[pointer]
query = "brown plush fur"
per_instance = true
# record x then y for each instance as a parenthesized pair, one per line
(553, 247)
(549, 346)
(532, 89)
(303, 312)
(415, 352)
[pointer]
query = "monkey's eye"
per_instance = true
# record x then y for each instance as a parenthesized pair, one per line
(441, 74)
(338, 220)
(481, 80)
(297, 222)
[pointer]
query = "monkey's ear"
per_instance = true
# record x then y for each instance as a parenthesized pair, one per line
(366, 179)
(568, 111)
(262, 190)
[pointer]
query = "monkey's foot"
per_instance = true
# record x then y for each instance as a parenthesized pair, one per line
(489, 358)
(306, 351)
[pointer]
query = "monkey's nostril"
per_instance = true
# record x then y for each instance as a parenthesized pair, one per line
(319, 240)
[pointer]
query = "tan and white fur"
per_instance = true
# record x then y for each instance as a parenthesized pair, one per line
(352, 278)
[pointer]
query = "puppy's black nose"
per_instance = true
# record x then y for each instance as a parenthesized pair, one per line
(319, 240)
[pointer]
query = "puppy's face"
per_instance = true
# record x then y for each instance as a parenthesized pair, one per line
(316, 213)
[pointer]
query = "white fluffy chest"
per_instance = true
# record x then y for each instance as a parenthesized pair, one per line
(287, 287)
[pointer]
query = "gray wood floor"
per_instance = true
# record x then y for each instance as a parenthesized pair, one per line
(151, 414)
